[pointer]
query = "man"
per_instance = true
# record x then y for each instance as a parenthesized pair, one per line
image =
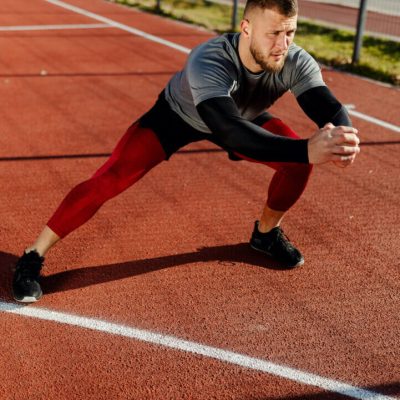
(221, 95)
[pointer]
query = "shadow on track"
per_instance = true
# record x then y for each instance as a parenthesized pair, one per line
(94, 155)
(82, 277)
(388, 142)
(388, 389)
(7, 264)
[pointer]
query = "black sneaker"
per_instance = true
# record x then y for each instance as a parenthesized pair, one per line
(25, 286)
(277, 245)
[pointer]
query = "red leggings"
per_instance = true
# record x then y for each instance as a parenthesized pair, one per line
(138, 151)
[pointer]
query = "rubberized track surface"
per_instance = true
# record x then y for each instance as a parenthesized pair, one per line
(171, 254)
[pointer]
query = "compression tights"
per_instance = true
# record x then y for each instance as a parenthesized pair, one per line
(138, 151)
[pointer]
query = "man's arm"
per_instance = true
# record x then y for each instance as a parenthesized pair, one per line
(234, 133)
(322, 107)
(325, 110)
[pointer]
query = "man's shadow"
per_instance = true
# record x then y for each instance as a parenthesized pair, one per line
(82, 277)
(7, 265)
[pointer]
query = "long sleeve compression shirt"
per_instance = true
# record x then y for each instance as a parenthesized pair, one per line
(236, 134)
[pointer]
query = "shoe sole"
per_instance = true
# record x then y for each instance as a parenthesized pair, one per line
(299, 264)
(27, 299)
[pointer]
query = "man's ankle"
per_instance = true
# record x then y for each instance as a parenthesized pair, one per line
(264, 227)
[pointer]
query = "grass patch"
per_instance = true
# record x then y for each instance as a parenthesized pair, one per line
(379, 59)
(210, 15)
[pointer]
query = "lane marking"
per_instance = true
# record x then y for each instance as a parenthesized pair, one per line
(376, 121)
(187, 346)
(52, 27)
(118, 25)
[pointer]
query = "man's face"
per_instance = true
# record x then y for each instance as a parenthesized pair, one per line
(270, 35)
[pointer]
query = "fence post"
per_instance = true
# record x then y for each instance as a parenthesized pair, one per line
(234, 14)
(362, 15)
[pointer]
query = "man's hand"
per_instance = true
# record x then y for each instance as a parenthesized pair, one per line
(334, 143)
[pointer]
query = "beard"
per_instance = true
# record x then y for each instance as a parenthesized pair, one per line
(265, 64)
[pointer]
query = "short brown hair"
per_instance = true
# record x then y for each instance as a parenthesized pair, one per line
(288, 8)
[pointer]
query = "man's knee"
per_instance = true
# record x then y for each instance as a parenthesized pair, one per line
(297, 170)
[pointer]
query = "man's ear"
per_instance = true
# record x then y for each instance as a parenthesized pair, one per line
(244, 27)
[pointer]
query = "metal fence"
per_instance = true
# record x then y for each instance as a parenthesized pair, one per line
(375, 17)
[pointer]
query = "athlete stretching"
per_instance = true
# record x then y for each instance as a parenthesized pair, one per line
(221, 95)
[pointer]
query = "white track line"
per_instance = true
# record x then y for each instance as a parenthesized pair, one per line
(376, 121)
(118, 25)
(52, 27)
(175, 343)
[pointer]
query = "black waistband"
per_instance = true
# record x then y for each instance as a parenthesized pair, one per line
(172, 131)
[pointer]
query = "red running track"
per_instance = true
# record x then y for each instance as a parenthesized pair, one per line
(170, 255)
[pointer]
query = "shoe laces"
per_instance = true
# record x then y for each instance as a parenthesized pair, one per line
(283, 239)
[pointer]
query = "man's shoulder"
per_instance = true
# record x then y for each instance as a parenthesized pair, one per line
(297, 53)
(301, 71)
(299, 62)
(225, 39)
(221, 47)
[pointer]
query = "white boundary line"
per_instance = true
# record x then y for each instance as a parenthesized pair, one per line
(187, 346)
(118, 25)
(365, 117)
(187, 50)
(51, 27)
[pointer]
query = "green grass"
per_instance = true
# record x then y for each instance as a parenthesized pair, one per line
(212, 16)
(379, 59)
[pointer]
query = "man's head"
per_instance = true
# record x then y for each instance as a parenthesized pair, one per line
(287, 8)
(267, 30)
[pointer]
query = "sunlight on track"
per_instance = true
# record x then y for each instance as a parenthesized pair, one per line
(175, 343)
